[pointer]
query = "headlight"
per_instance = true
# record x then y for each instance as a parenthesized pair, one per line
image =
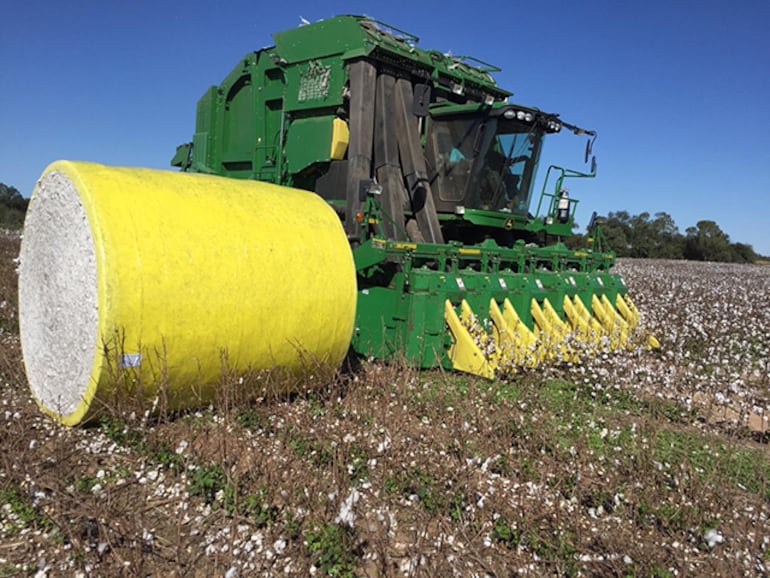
(523, 115)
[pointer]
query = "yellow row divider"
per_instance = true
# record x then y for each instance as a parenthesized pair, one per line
(464, 352)
(625, 303)
(507, 342)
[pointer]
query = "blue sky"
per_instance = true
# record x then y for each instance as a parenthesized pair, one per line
(677, 89)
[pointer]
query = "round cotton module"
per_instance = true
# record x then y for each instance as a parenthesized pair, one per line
(156, 284)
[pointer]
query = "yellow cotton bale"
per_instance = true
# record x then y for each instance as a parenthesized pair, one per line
(166, 277)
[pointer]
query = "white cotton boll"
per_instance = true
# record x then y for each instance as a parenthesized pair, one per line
(346, 514)
(713, 538)
(279, 546)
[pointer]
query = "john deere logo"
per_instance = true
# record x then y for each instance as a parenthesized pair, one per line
(508, 224)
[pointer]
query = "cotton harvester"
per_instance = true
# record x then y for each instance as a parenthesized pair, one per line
(421, 238)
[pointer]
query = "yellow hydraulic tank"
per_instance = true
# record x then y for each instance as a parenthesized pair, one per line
(168, 277)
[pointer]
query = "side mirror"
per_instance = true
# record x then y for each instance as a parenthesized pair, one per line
(589, 146)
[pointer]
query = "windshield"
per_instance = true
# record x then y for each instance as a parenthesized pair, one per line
(484, 162)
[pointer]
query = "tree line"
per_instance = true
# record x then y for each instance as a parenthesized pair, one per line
(658, 237)
(13, 207)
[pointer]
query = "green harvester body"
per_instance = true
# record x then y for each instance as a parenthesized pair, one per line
(432, 172)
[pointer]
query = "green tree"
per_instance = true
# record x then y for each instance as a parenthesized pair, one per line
(743, 253)
(641, 237)
(616, 229)
(707, 242)
(658, 237)
(669, 242)
(13, 207)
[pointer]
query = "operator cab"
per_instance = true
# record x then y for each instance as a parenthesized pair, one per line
(485, 158)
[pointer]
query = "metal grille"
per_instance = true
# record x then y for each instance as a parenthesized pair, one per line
(314, 82)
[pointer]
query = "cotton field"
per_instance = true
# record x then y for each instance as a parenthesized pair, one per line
(631, 463)
(713, 320)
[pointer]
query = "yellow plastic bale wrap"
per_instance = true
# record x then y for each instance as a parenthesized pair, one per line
(168, 277)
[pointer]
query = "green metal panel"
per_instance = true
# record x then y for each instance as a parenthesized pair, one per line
(238, 122)
(204, 124)
(308, 140)
(201, 160)
(239, 133)
(333, 36)
(205, 110)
